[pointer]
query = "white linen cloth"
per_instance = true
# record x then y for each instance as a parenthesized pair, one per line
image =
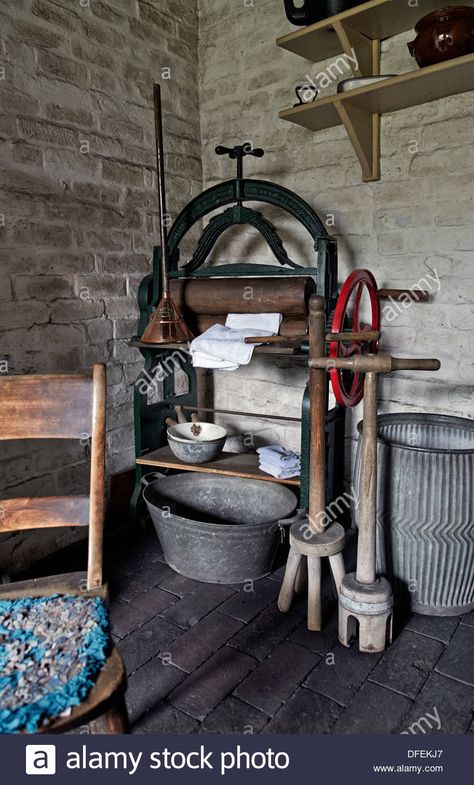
(224, 347)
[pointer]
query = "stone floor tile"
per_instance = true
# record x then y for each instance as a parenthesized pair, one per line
(276, 678)
(458, 659)
(443, 706)
(138, 557)
(234, 716)
(164, 719)
(141, 645)
(406, 664)
(265, 632)
(192, 607)
(374, 710)
(128, 617)
(149, 685)
(204, 689)
(306, 712)
(341, 673)
(179, 584)
(468, 619)
(127, 587)
(251, 599)
(439, 627)
(197, 644)
(319, 642)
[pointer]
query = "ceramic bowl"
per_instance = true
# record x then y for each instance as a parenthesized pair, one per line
(362, 81)
(201, 448)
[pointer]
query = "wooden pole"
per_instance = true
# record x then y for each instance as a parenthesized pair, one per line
(160, 168)
(97, 478)
(317, 393)
(368, 484)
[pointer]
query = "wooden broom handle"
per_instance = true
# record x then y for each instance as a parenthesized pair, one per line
(160, 172)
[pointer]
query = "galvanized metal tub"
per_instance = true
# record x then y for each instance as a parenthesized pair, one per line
(425, 517)
(215, 528)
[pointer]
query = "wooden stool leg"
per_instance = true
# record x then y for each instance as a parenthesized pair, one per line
(337, 568)
(301, 579)
(314, 593)
(115, 720)
(287, 591)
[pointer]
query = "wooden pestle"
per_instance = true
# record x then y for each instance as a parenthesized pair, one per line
(368, 484)
(317, 388)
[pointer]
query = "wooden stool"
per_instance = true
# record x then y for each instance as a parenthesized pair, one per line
(310, 539)
(307, 548)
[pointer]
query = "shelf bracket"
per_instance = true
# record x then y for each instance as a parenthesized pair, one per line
(366, 50)
(363, 129)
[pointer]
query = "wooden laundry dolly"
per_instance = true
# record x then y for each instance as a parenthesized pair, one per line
(310, 539)
(365, 597)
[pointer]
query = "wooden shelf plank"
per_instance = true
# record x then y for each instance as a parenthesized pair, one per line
(399, 92)
(182, 347)
(231, 464)
(376, 20)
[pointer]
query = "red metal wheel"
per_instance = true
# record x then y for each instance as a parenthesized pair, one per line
(348, 387)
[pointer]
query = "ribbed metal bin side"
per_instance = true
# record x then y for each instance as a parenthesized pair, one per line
(425, 520)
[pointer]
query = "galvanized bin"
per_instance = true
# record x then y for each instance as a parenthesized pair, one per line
(218, 529)
(425, 519)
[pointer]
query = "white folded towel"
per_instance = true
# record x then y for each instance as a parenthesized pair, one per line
(224, 347)
(259, 321)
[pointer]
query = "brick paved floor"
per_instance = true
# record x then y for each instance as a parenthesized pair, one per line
(203, 658)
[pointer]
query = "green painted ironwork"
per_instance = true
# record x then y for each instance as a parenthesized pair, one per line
(150, 428)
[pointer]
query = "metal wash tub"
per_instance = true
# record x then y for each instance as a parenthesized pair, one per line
(215, 528)
(425, 522)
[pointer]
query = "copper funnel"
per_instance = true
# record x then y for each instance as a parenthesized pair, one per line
(166, 324)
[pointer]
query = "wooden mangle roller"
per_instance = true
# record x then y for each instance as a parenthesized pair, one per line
(206, 302)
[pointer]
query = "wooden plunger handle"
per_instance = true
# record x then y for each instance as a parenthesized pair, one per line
(398, 294)
(283, 340)
(375, 363)
(414, 364)
(365, 572)
(366, 335)
(290, 340)
(317, 392)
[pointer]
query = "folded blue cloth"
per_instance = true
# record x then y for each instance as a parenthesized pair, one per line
(279, 472)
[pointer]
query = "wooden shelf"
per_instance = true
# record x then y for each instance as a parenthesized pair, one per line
(231, 464)
(357, 109)
(372, 21)
(182, 347)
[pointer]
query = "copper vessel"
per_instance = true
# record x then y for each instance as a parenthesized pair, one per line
(443, 35)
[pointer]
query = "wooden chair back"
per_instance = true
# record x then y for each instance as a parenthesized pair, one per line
(59, 406)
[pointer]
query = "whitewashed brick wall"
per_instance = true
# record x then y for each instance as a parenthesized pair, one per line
(416, 220)
(78, 200)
